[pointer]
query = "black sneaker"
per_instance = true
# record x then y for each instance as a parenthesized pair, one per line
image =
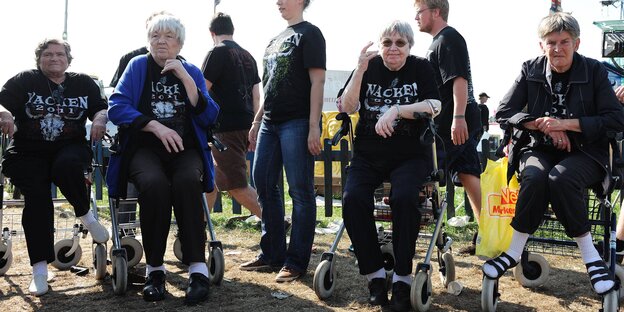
(378, 292)
(256, 264)
(197, 290)
(154, 289)
(400, 297)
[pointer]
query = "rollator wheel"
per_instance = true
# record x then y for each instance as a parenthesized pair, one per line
(420, 292)
(387, 254)
(216, 265)
(120, 275)
(134, 250)
(610, 301)
(447, 268)
(5, 264)
(324, 281)
(535, 275)
(619, 275)
(489, 294)
(99, 261)
(177, 249)
(61, 261)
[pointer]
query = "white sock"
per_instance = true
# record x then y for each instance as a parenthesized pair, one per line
(381, 273)
(518, 240)
(407, 279)
(40, 268)
(149, 269)
(589, 255)
(87, 219)
(198, 267)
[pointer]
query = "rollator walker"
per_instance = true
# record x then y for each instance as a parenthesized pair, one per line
(533, 269)
(127, 251)
(433, 207)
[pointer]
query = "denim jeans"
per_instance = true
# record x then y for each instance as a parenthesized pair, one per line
(285, 144)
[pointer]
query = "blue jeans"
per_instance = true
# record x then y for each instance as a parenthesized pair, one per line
(285, 144)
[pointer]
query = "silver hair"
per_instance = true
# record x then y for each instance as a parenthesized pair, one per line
(401, 28)
(559, 22)
(166, 22)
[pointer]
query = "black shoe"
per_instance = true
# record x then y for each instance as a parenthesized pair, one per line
(154, 289)
(400, 297)
(378, 292)
(197, 290)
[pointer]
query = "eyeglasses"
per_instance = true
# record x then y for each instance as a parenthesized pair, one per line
(420, 12)
(57, 94)
(388, 43)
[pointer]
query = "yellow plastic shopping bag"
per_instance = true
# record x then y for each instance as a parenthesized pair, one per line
(498, 208)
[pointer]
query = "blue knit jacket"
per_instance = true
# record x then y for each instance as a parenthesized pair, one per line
(123, 111)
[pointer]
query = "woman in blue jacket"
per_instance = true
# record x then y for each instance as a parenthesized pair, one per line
(162, 108)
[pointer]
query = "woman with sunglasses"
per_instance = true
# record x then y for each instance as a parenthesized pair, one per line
(45, 111)
(387, 87)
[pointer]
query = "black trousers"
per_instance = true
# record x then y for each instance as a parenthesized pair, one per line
(33, 174)
(406, 178)
(558, 178)
(164, 180)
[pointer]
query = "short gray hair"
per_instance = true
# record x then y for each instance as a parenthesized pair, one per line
(401, 28)
(559, 22)
(166, 22)
(46, 43)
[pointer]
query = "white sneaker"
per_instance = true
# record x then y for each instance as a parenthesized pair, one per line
(39, 285)
(98, 232)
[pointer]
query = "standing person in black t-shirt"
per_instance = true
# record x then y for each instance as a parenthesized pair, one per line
(50, 107)
(287, 128)
(386, 88)
(458, 123)
(232, 79)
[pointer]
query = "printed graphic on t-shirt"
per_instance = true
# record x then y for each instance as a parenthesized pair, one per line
(379, 99)
(168, 104)
(53, 111)
(278, 56)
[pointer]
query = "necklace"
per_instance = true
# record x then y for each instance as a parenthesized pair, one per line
(57, 96)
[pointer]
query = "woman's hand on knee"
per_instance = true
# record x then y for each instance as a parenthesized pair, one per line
(170, 139)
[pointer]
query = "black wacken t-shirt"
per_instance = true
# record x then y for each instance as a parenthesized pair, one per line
(448, 54)
(47, 112)
(286, 79)
(233, 73)
(380, 90)
(164, 99)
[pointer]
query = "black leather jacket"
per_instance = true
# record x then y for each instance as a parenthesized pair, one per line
(590, 99)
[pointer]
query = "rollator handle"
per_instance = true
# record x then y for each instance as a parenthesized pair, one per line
(215, 142)
(344, 128)
(428, 135)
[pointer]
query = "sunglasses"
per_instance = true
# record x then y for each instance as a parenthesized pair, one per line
(388, 43)
(57, 94)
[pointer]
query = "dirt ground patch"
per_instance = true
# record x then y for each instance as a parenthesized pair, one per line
(568, 288)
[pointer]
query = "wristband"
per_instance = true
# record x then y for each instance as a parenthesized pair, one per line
(459, 116)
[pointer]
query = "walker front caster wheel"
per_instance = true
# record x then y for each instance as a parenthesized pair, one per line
(216, 265)
(99, 261)
(324, 280)
(63, 260)
(535, 274)
(489, 294)
(420, 292)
